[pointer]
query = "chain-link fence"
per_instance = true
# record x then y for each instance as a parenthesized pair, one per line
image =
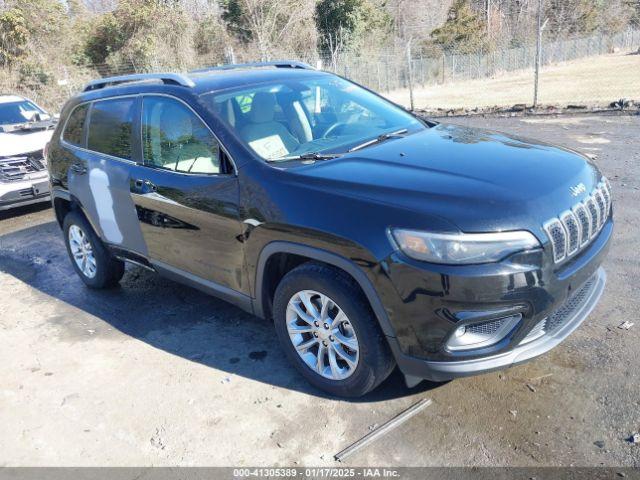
(594, 70)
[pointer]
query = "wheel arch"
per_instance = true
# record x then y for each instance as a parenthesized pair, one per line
(304, 253)
(63, 203)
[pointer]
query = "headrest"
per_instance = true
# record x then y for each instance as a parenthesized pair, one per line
(263, 107)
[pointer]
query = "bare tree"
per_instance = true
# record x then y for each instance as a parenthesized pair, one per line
(101, 6)
(273, 23)
(336, 45)
(417, 18)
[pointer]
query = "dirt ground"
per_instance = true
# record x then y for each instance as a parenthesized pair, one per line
(592, 81)
(154, 373)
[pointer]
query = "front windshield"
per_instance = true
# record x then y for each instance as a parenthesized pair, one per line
(20, 111)
(320, 115)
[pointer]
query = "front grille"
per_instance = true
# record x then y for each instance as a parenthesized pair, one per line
(576, 227)
(570, 222)
(558, 318)
(17, 168)
(585, 223)
(558, 237)
(606, 191)
(602, 213)
(593, 214)
(37, 159)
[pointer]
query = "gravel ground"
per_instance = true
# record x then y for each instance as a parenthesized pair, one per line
(154, 373)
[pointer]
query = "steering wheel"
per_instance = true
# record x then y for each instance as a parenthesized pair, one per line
(333, 128)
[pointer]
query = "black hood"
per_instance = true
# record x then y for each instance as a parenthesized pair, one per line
(476, 179)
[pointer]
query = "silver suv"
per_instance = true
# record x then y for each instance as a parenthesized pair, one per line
(25, 129)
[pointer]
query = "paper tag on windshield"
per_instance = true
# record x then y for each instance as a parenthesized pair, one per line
(269, 147)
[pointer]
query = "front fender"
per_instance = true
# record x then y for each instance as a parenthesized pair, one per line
(349, 265)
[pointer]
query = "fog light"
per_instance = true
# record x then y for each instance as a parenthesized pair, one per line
(484, 334)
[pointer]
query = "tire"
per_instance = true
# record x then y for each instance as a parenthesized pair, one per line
(313, 282)
(108, 271)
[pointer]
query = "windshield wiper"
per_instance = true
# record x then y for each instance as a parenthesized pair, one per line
(307, 156)
(380, 139)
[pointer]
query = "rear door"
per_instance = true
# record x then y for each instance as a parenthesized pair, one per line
(186, 195)
(99, 149)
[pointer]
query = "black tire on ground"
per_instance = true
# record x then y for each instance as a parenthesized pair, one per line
(109, 270)
(376, 361)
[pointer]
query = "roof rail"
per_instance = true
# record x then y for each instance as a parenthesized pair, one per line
(275, 64)
(168, 78)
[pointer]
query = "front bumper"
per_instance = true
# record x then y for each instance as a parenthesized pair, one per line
(24, 192)
(443, 371)
(428, 303)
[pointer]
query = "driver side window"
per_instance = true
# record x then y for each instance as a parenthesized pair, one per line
(176, 139)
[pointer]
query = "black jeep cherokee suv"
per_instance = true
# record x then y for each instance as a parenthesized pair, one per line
(370, 237)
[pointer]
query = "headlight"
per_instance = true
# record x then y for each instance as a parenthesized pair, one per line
(462, 248)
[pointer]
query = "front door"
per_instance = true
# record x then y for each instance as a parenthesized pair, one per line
(186, 196)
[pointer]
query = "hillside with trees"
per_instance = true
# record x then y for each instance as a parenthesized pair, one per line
(50, 47)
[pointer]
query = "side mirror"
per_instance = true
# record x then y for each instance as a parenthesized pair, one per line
(31, 116)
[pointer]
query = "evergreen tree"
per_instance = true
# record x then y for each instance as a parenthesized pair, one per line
(341, 24)
(464, 31)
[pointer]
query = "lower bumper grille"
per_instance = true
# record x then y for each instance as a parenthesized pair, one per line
(487, 328)
(558, 318)
(484, 334)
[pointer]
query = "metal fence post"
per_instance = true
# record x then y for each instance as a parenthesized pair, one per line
(538, 55)
(453, 67)
(386, 75)
(410, 72)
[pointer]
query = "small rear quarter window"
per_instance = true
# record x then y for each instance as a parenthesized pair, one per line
(73, 131)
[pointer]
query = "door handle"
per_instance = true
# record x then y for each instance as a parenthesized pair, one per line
(78, 168)
(143, 186)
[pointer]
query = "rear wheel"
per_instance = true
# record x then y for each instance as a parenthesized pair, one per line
(89, 257)
(329, 332)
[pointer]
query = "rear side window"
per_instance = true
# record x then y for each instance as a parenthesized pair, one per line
(111, 126)
(73, 131)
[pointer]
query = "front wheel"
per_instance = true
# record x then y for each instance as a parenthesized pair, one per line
(89, 257)
(329, 332)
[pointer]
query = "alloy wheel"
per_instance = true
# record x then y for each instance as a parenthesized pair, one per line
(322, 335)
(82, 251)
